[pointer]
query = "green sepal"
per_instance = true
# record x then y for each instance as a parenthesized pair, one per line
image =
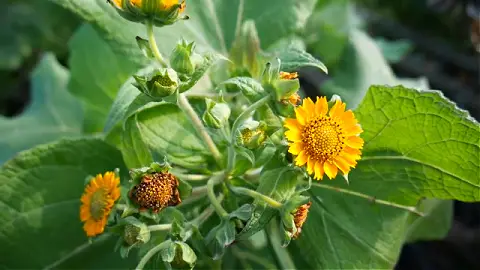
(181, 58)
(245, 53)
(178, 255)
(158, 84)
(145, 47)
(216, 114)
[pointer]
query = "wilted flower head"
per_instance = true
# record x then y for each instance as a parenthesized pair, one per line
(299, 217)
(156, 191)
(325, 140)
(159, 12)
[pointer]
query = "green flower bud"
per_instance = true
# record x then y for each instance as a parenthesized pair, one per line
(159, 84)
(160, 12)
(252, 134)
(136, 233)
(245, 51)
(181, 58)
(216, 115)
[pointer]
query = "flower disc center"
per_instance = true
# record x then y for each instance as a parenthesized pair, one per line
(98, 203)
(323, 138)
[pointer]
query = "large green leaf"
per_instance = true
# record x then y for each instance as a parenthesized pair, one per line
(39, 208)
(97, 73)
(417, 144)
(32, 25)
(435, 224)
(53, 113)
(212, 24)
(166, 130)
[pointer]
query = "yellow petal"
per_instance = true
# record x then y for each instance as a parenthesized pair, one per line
(348, 118)
(342, 165)
(330, 169)
(291, 123)
(310, 165)
(353, 130)
(294, 135)
(308, 107)
(301, 115)
(352, 151)
(337, 110)
(355, 142)
(350, 160)
(319, 170)
(301, 158)
(295, 148)
(321, 106)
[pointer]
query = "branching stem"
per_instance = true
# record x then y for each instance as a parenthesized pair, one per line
(254, 194)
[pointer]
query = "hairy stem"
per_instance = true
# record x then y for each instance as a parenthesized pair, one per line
(160, 227)
(370, 198)
(153, 44)
(150, 254)
(245, 114)
(256, 195)
(211, 194)
(202, 131)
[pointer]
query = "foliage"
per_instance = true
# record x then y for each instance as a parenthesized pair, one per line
(206, 118)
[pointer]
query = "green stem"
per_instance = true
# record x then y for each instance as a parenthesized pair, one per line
(205, 214)
(192, 177)
(150, 254)
(160, 227)
(211, 194)
(197, 123)
(256, 195)
(153, 44)
(370, 198)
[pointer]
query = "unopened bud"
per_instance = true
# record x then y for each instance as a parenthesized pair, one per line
(181, 58)
(216, 115)
(252, 134)
(159, 84)
(136, 233)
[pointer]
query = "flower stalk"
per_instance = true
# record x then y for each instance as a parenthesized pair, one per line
(211, 194)
(153, 44)
(150, 254)
(256, 195)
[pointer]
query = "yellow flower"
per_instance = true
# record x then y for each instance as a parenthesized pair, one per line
(325, 140)
(156, 191)
(159, 12)
(97, 201)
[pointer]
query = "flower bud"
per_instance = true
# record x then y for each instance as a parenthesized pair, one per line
(216, 115)
(245, 51)
(159, 84)
(181, 58)
(252, 134)
(136, 233)
(159, 12)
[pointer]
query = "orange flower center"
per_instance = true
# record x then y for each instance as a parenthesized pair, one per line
(323, 138)
(156, 192)
(98, 204)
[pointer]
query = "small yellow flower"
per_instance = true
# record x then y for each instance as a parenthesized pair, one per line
(299, 217)
(156, 191)
(97, 201)
(325, 140)
(159, 12)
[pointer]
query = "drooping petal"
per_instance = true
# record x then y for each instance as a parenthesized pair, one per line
(330, 169)
(355, 142)
(301, 158)
(294, 135)
(321, 106)
(319, 170)
(310, 165)
(296, 148)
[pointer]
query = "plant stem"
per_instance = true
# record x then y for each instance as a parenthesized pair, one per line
(150, 254)
(202, 131)
(211, 194)
(256, 195)
(192, 177)
(205, 214)
(370, 198)
(153, 44)
(160, 227)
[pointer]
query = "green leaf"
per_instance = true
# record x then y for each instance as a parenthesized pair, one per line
(220, 237)
(30, 26)
(244, 212)
(280, 185)
(407, 133)
(207, 61)
(39, 209)
(135, 153)
(179, 255)
(98, 72)
(293, 58)
(166, 131)
(212, 24)
(361, 66)
(53, 113)
(249, 87)
(245, 159)
(436, 223)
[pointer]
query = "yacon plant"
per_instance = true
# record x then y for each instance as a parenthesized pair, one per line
(232, 169)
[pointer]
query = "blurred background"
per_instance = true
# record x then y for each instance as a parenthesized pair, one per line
(426, 44)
